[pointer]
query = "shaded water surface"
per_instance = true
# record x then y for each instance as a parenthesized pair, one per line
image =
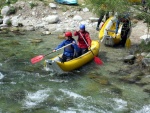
(27, 88)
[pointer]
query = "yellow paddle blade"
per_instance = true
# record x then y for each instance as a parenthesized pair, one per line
(128, 43)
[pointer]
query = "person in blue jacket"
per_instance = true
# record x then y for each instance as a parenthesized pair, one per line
(70, 51)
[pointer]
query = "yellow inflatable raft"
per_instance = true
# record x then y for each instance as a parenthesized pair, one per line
(75, 63)
(107, 32)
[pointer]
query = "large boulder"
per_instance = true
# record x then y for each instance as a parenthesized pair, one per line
(5, 10)
(51, 19)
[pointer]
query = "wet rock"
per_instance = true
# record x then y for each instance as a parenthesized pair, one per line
(1, 21)
(13, 29)
(146, 62)
(147, 88)
(148, 55)
(129, 59)
(6, 20)
(46, 32)
(145, 80)
(36, 40)
(99, 79)
(18, 95)
(116, 90)
(133, 78)
(5, 10)
(6, 80)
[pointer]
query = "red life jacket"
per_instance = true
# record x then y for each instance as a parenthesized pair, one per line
(81, 41)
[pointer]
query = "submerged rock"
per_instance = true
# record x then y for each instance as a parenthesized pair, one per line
(36, 40)
(129, 59)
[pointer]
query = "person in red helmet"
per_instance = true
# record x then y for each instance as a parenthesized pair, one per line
(84, 40)
(69, 51)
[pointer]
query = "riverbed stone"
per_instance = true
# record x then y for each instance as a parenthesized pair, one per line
(147, 88)
(146, 62)
(129, 59)
(145, 80)
(36, 40)
(133, 77)
(5, 10)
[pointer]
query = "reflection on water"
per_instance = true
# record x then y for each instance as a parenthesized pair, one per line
(27, 88)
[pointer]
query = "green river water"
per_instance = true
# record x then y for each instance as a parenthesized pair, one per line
(27, 88)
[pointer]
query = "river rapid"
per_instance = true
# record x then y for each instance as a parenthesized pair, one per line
(28, 88)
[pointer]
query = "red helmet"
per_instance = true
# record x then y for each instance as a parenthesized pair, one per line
(68, 34)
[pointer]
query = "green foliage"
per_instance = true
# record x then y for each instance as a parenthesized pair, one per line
(139, 16)
(9, 23)
(145, 47)
(119, 6)
(12, 10)
(6, 2)
(32, 5)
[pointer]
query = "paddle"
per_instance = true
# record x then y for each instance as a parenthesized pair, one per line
(40, 57)
(96, 59)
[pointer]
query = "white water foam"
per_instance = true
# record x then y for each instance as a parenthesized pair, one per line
(71, 94)
(145, 109)
(1, 75)
(57, 80)
(78, 110)
(33, 99)
(120, 104)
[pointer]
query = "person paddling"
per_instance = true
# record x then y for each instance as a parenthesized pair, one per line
(84, 40)
(69, 51)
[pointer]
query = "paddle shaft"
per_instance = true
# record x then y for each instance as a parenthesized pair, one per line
(40, 57)
(59, 49)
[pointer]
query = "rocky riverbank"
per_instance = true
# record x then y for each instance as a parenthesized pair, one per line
(53, 18)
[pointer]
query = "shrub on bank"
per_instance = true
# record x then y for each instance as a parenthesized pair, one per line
(145, 47)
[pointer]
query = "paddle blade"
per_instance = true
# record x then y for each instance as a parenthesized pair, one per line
(37, 59)
(128, 43)
(98, 60)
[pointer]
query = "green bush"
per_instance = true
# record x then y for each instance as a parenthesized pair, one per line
(139, 16)
(145, 47)
(32, 5)
(12, 10)
(9, 23)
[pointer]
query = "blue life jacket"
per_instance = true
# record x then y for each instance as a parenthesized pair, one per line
(69, 50)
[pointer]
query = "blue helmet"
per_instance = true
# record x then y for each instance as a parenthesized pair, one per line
(82, 27)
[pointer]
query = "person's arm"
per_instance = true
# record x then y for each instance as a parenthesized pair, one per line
(117, 26)
(60, 45)
(76, 33)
